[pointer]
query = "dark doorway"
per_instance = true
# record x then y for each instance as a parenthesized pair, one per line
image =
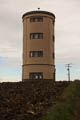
(54, 76)
(36, 76)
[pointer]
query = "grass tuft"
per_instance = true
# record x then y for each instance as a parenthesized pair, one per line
(65, 107)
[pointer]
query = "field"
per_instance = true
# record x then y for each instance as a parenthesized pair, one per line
(30, 100)
(68, 108)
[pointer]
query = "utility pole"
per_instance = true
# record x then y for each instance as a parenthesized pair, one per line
(68, 69)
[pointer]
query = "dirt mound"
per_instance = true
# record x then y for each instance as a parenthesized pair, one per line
(28, 100)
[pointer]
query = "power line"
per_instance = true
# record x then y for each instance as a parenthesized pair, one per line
(68, 69)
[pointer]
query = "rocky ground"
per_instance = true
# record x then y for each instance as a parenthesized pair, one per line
(28, 100)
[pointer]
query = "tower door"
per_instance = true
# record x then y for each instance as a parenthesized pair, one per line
(36, 76)
(40, 76)
(54, 76)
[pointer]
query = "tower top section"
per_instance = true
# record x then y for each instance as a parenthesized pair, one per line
(37, 12)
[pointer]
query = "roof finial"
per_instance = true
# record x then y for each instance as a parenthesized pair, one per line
(38, 8)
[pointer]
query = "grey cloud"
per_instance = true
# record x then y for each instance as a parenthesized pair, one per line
(66, 28)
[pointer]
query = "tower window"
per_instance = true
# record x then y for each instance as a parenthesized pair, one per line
(36, 19)
(36, 53)
(36, 35)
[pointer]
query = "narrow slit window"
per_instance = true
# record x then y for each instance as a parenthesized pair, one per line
(53, 37)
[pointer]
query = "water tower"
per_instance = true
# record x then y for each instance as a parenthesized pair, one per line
(38, 46)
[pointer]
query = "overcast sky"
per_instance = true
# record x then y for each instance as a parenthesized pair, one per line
(67, 34)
